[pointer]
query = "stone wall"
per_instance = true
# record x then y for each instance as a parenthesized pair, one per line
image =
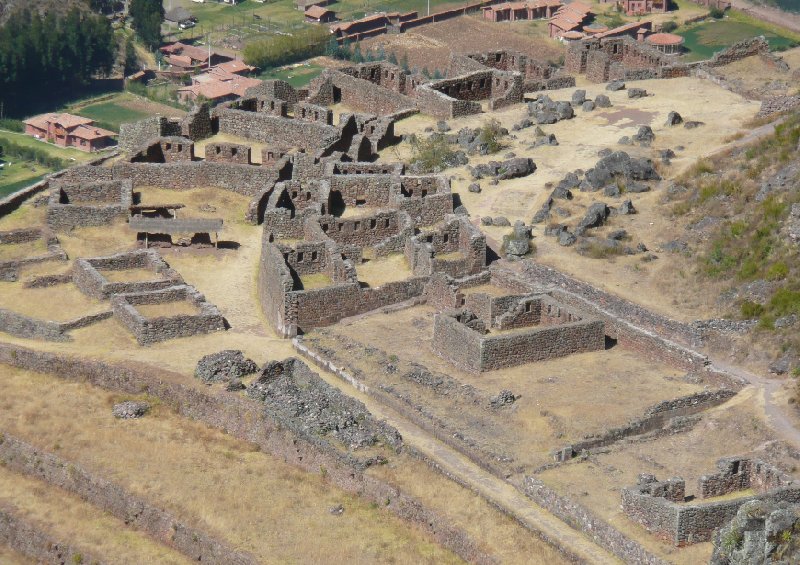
(137, 513)
(652, 335)
(31, 540)
(659, 507)
(741, 50)
(334, 86)
(473, 351)
(442, 106)
(313, 113)
(87, 274)
(358, 168)
(276, 130)
(228, 153)
(153, 330)
(88, 204)
(247, 420)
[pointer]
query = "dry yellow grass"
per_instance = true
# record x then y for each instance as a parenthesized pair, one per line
(225, 486)
(26, 216)
(379, 271)
(316, 280)
(58, 303)
(22, 250)
(69, 519)
(11, 557)
(131, 275)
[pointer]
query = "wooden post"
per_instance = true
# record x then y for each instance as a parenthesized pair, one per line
(146, 243)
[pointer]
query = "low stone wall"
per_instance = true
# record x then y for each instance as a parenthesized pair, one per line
(20, 325)
(137, 513)
(361, 95)
(246, 419)
(152, 330)
(87, 274)
(9, 270)
(652, 335)
(654, 418)
(582, 519)
(234, 153)
(31, 540)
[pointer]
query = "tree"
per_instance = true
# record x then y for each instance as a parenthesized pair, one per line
(131, 60)
(669, 27)
(392, 58)
(147, 17)
(404, 62)
(437, 74)
(357, 56)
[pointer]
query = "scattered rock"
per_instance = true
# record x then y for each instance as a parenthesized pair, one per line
(578, 97)
(461, 211)
(612, 190)
(587, 106)
(605, 152)
(624, 140)
(503, 398)
(595, 216)
(618, 235)
(130, 409)
(486, 221)
(674, 246)
(692, 125)
(626, 208)
(602, 101)
(442, 126)
(509, 169)
(224, 366)
(337, 510)
(566, 238)
(474, 187)
(761, 532)
(644, 136)
(207, 208)
(673, 119)
(615, 85)
(781, 365)
(500, 221)
(522, 124)
(549, 139)
(637, 93)
(517, 243)
(636, 187)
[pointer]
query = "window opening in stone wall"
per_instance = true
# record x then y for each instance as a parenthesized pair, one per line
(446, 237)
(314, 255)
(299, 256)
(373, 224)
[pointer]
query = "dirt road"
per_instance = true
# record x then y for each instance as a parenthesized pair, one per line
(772, 15)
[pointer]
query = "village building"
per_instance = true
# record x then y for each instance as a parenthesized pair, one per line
(639, 7)
(216, 86)
(68, 130)
(319, 15)
(570, 17)
(178, 15)
(183, 58)
(512, 11)
(668, 43)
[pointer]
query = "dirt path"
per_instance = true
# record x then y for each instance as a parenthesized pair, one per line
(775, 16)
(774, 415)
(493, 489)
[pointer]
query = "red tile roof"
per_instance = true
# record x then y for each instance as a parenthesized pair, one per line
(91, 132)
(317, 12)
(664, 39)
(67, 121)
(236, 66)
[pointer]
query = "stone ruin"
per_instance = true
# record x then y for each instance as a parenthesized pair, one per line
(10, 267)
(83, 204)
(663, 508)
(88, 274)
(494, 332)
(149, 329)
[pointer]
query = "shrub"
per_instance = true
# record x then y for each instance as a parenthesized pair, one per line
(785, 302)
(716, 13)
(432, 154)
(490, 134)
(669, 27)
(12, 125)
(751, 309)
(778, 271)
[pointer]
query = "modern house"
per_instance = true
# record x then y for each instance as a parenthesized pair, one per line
(216, 86)
(319, 15)
(68, 130)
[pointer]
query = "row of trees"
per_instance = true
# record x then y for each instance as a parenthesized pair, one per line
(41, 53)
(147, 17)
(11, 150)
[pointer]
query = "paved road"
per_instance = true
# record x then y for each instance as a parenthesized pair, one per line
(495, 490)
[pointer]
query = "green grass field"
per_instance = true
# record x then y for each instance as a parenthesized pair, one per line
(298, 76)
(111, 114)
(706, 38)
(17, 176)
(51, 149)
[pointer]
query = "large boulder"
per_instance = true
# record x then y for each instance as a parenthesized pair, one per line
(595, 216)
(673, 119)
(564, 111)
(578, 97)
(587, 106)
(130, 409)
(637, 93)
(644, 136)
(226, 365)
(602, 101)
(615, 85)
(761, 532)
(502, 170)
